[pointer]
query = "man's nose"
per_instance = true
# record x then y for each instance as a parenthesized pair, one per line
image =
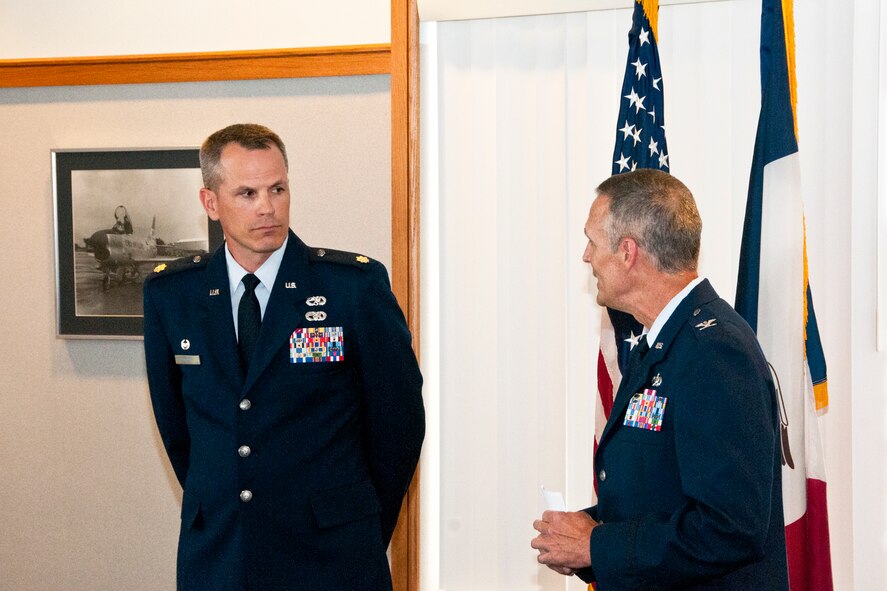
(265, 206)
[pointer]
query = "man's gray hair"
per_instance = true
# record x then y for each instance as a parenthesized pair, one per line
(247, 135)
(658, 212)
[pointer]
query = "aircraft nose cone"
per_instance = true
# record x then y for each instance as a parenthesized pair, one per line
(99, 243)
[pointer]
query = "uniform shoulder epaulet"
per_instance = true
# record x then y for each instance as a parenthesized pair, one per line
(703, 320)
(183, 264)
(341, 257)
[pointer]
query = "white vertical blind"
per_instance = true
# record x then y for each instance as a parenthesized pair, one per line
(524, 112)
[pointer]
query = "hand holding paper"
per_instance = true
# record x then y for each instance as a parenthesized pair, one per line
(563, 540)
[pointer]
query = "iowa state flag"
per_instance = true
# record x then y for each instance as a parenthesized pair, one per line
(774, 296)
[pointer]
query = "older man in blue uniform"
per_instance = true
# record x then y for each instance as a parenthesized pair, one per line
(688, 469)
(285, 390)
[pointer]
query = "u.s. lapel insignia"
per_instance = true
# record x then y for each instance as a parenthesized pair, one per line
(214, 292)
(290, 285)
(707, 324)
(315, 316)
(657, 380)
(316, 301)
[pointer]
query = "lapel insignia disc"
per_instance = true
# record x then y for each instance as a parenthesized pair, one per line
(315, 316)
(316, 301)
(317, 344)
(707, 324)
(646, 411)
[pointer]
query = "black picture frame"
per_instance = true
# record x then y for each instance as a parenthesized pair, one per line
(120, 213)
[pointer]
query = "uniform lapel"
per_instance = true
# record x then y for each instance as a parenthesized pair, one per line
(698, 296)
(630, 383)
(286, 307)
(218, 320)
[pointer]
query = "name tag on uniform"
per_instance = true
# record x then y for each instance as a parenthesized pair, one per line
(317, 344)
(187, 359)
(646, 411)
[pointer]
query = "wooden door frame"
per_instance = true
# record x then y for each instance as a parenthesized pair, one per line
(405, 243)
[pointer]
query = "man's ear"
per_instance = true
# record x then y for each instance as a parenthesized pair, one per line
(628, 249)
(210, 203)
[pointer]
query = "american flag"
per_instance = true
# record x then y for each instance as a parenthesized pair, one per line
(640, 143)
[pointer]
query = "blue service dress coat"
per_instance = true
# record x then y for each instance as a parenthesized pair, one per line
(690, 490)
(294, 473)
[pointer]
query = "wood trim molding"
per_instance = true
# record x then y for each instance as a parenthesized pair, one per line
(345, 60)
(405, 242)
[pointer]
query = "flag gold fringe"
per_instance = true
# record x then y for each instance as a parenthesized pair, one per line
(651, 9)
(820, 396)
(788, 21)
(820, 391)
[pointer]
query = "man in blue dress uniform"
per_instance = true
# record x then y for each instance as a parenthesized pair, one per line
(285, 389)
(688, 469)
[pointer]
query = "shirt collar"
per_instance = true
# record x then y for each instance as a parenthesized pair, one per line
(267, 273)
(668, 310)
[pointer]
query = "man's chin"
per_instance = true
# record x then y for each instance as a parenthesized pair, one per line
(270, 241)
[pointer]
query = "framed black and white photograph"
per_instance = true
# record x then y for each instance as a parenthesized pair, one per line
(120, 214)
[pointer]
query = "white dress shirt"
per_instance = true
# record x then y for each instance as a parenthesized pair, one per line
(267, 273)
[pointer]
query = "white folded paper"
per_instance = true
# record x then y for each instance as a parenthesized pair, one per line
(554, 500)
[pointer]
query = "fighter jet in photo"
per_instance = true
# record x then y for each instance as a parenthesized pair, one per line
(120, 253)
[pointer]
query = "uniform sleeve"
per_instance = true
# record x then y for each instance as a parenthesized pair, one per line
(394, 415)
(165, 384)
(725, 441)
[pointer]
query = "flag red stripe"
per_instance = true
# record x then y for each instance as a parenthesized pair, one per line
(807, 541)
(604, 385)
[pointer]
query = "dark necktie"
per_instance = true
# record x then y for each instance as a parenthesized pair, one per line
(637, 355)
(249, 320)
(643, 347)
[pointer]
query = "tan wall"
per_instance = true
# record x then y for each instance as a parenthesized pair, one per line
(88, 499)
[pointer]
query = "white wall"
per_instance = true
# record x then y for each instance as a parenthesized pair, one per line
(49, 28)
(443, 10)
(710, 62)
(868, 367)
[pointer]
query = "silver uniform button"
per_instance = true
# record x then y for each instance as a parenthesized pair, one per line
(243, 451)
(602, 475)
(246, 496)
(245, 404)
